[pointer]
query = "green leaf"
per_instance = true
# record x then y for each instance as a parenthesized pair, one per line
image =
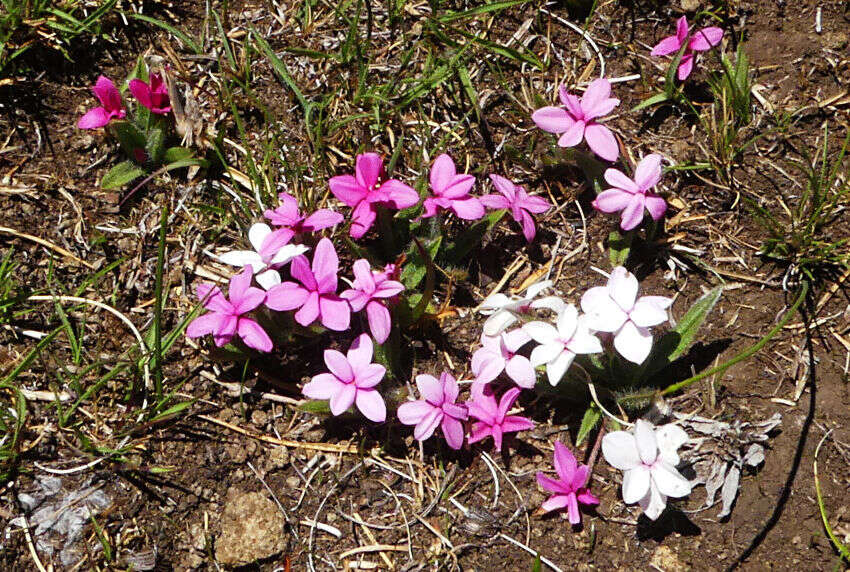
(458, 250)
(180, 35)
(121, 174)
(660, 97)
(176, 154)
(129, 137)
(537, 565)
(315, 407)
(156, 139)
(591, 419)
(414, 270)
(173, 410)
(280, 68)
(484, 9)
(619, 247)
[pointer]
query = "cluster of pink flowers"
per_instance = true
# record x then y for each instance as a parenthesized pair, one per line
(152, 95)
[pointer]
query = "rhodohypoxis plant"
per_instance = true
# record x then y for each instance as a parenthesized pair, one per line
(226, 317)
(632, 196)
(559, 344)
(616, 308)
(700, 41)
(352, 380)
(576, 120)
(371, 290)
(436, 407)
(451, 191)
(493, 419)
(368, 188)
(504, 310)
(111, 106)
(499, 353)
(647, 456)
(270, 253)
(570, 488)
(289, 220)
(152, 94)
(315, 292)
(521, 205)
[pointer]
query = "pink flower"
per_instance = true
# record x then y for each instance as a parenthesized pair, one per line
(632, 196)
(451, 191)
(352, 379)
(370, 291)
(316, 295)
(577, 119)
(225, 317)
(290, 220)
(493, 419)
(270, 253)
(368, 188)
(520, 203)
(436, 407)
(570, 487)
(110, 108)
(700, 41)
(153, 96)
(498, 354)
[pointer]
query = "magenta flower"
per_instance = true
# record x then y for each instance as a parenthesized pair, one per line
(370, 290)
(632, 196)
(436, 407)
(569, 488)
(225, 317)
(700, 41)
(521, 204)
(451, 191)
(577, 119)
(498, 354)
(493, 419)
(110, 108)
(366, 189)
(352, 379)
(153, 96)
(289, 218)
(316, 295)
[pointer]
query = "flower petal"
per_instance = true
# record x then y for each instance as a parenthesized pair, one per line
(339, 366)
(322, 386)
(325, 266)
(612, 200)
(371, 405)
(369, 169)
(557, 368)
(620, 450)
(453, 432)
(552, 119)
(619, 180)
(667, 46)
(468, 209)
(656, 206)
(571, 102)
(635, 484)
(370, 375)
(94, 119)
(141, 91)
(401, 196)
(686, 66)
(442, 172)
(550, 484)
(596, 93)
(254, 335)
(362, 219)
(322, 218)
(633, 213)
(601, 141)
(286, 296)
(670, 437)
(521, 371)
(556, 502)
(648, 171)
(565, 462)
(669, 481)
(242, 258)
(346, 189)
(647, 447)
(309, 311)
(633, 342)
(412, 412)
(430, 389)
(703, 40)
(425, 428)
(647, 313)
(205, 324)
(380, 322)
(573, 135)
(343, 398)
(335, 313)
(623, 288)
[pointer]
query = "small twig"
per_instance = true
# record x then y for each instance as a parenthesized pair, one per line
(30, 545)
(326, 447)
(46, 244)
(531, 551)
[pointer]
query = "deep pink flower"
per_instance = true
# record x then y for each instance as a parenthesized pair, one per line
(498, 354)
(370, 291)
(367, 188)
(451, 191)
(225, 317)
(632, 196)
(700, 41)
(577, 119)
(289, 218)
(154, 96)
(569, 488)
(111, 106)
(316, 295)
(436, 406)
(493, 419)
(521, 204)
(352, 379)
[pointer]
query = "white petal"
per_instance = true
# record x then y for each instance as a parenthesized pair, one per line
(495, 302)
(633, 343)
(497, 323)
(620, 450)
(557, 368)
(541, 332)
(645, 440)
(567, 322)
(549, 303)
(623, 287)
(654, 503)
(646, 313)
(545, 353)
(257, 234)
(537, 288)
(583, 342)
(670, 437)
(243, 258)
(287, 253)
(268, 278)
(636, 483)
(669, 481)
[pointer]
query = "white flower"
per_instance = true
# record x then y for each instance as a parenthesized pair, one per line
(648, 460)
(616, 308)
(504, 310)
(559, 345)
(270, 253)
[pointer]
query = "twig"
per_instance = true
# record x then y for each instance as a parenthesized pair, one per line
(326, 447)
(47, 244)
(30, 545)
(531, 551)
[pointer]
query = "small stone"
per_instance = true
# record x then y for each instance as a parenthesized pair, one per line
(279, 457)
(196, 536)
(259, 418)
(251, 529)
(293, 482)
(690, 5)
(665, 559)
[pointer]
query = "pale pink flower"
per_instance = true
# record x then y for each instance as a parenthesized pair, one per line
(499, 353)
(700, 41)
(504, 310)
(154, 96)
(436, 407)
(315, 296)
(352, 380)
(451, 191)
(493, 419)
(559, 344)
(520, 203)
(111, 106)
(616, 308)
(577, 119)
(632, 196)
(226, 317)
(270, 253)
(371, 291)
(368, 188)
(289, 219)
(647, 456)
(570, 488)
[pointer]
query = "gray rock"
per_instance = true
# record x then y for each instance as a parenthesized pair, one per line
(252, 528)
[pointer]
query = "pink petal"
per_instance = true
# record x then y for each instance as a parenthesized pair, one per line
(252, 298)
(459, 187)
(339, 366)
(669, 45)
(425, 428)
(430, 388)
(612, 201)
(273, 243)
(521, 371)
(380, 322)
(572, 509)
(363, 278)
(495, 202)
(573, 135)
(504, 186)
(623, 288)
(369, 168)
(325, 266)
(400, 195)
(535, 204)
(556, 502)
(362, 219)
(656, 206)
(571, 102)
(335, 313)
(619, 180)
(94, 119)
(468, 209)
(206, 324)
(322, 386)
(455, 411)
(507, 401)
(601, 141)
(633, 213)
(514, 423)
(343, 398)
(552, 119)
(478, 432)
(371, 405)
(254, 335)
(648, 172)
(388, 289)
(686, 66)
(484, 407)
(487, 365)
(442, 172)
(580, 476)
(646, 313)
(346, 189)
(360, 352)
(213, 299)
(584, 496)
(322, 218)
(496, 432)
(550, 484)
(107, 94)
(450, 388)
(412, 412)
(705, 39)
(286, 296)
(300, 270)
(141, 92)
(357, 299)
(528, 228)
(565, 462)
(431, 207)
(239, 285)
(682, 29)
(370, 375)
(453, 432)
(596, 93)
(309, 311)
(633, 342)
